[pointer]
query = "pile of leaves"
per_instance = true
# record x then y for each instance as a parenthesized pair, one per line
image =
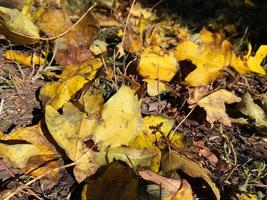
(136, 105)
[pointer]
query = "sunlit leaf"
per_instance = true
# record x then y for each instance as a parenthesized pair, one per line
(28, 149)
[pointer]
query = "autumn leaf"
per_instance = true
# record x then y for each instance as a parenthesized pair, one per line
(26, 60)
(17, 27)
(73, 47)
(157, 65)
(155, 87)
(252, 110)
(74, 130)
(173, 161)
(214, 105)
(28, 149)
(58, 93)
(213, 55)
(185, 192)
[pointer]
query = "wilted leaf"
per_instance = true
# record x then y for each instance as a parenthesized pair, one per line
(28, 149)
(246, 197)
(252, 110)
(16, 27)
(27, 60)
(98, 47)
(173, 161)
(155, 87)
(157, 65)
(214, 105)
(206, 152)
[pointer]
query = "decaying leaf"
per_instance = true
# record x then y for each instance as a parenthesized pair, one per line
(252, 110)
(214, 105)
(16, 27)
(28, 149)
(173, 161)
(26, 60)
(157, 65)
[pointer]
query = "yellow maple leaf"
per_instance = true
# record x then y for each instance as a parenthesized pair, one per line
(87, 138)
(28, 149)
(157, 65)
(214, 105)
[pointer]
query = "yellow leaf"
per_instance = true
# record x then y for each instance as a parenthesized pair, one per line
(210, 60)
(58, 93)
(121, 120)
(27, 60)
(254, 62)
(87, 69)
(29, 150)
(17, 27)
(86, 139)
(153, 141)
(157, 65)
(174, 161)
(214, 105)
(155, 87)
(247, 197)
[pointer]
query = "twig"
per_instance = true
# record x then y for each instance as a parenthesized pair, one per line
(36, 179)
(20, 182)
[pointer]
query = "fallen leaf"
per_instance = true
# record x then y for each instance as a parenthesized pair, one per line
(254, 62)
(184, 193)
(246, 197)
(170, 184)
(26, 60)
(214, 105)
(156, 65)
(98, 47)
(58, 93)
(28, 149)
(206, 152)
(72, 48)
(173, 161)
(16, 27)
(212, 55)
(155, 87)
(252, 110)
(153, 140)
(86, 139)
(116, 182)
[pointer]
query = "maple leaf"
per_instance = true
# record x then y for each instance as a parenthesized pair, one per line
(157, 65)
(87, 139)
(214, 105)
